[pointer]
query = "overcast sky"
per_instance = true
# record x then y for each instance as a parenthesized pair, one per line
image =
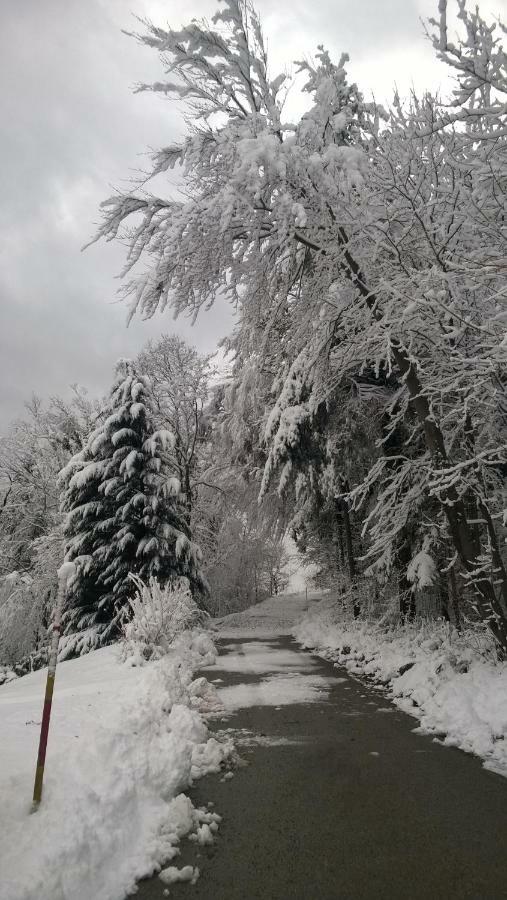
(72, 129)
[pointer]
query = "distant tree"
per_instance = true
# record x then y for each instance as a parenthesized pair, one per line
(24, 617)
(179, 378)
(32, 452)
(125, 512)
(243, 554)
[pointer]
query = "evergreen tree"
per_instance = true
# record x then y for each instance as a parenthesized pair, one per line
(124, 508)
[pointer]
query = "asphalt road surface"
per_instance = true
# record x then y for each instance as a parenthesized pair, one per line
(344, 801)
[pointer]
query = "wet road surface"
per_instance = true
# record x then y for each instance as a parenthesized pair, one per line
(340, 799)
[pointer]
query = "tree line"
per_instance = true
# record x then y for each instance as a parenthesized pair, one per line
(133, 482)
(364, 251)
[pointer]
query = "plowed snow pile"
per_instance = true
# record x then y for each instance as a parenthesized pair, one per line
(125, 742)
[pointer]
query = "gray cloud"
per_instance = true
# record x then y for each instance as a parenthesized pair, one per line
(71, 129)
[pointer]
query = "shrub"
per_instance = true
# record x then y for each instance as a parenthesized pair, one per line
(158, 614)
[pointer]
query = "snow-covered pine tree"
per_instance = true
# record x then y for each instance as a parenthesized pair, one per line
(124, 511)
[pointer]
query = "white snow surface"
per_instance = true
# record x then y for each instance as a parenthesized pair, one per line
(173, 874)
(275, 690)
(270, 619)
(260, 657)
(273, 617)
(124, 743)
(452, 683)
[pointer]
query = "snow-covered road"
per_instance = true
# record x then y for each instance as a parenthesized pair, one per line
(339, 797)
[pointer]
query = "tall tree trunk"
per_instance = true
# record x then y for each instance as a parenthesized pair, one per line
(351, 563)
(445, 600)
(453, 597)
(340, 551)
(405, 587)
(188, 497)
(343, 507)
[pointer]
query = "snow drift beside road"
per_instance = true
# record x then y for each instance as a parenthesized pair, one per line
(431, 672)
(124, 743)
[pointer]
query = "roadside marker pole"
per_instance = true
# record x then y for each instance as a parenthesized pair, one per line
(64, 573)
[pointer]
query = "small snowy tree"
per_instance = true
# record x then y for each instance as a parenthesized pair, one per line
(124, 509)
(157, 615)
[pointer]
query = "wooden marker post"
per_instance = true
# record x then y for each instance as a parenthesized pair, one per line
(64, 573)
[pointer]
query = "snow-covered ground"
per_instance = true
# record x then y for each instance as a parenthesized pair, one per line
(126, 741)
(274, 616)
(287, 675)
(450, 682)
(284, 676)
(124, 744)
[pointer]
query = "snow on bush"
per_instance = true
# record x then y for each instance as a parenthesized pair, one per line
(452, 682)
(6, 674)
(159, 615)
(125, 742)
(79, 644)
(21, 618)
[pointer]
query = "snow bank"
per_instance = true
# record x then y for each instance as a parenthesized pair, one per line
(450, 682)
(124, 744)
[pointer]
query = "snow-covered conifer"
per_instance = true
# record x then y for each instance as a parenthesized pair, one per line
(124, 511)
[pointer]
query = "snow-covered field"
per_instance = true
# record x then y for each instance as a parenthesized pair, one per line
(449, 682)
(126, 741)
(124, 744)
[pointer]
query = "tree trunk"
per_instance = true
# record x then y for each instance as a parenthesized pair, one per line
(405, 587)
(343, 508)
(351, 563)
(453, 598)
(188, 498)
(340, 551)
(445, 600)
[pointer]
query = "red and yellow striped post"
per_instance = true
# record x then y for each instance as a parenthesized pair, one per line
(64, 573)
